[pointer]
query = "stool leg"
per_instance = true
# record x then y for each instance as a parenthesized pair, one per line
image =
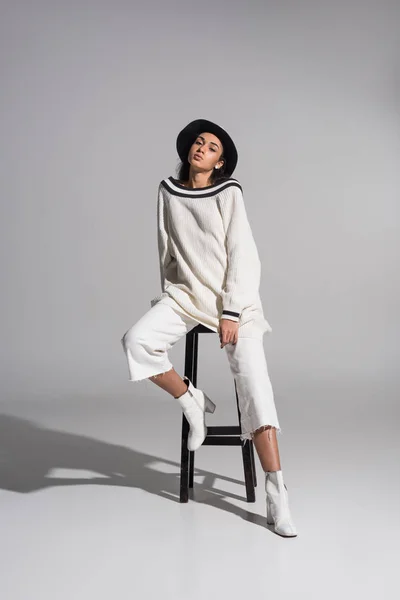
(248, 472)
(187, 457)
(184, 484)
(191, 468)
(253, 464)
(191, 368)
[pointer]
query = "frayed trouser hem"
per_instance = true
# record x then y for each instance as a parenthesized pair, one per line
(249, 435)
(149, 376)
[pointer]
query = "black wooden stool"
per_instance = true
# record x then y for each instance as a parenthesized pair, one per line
(225, 435)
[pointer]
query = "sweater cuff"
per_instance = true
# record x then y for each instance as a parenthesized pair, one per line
(230, 314)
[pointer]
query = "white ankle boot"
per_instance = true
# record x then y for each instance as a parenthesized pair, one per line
(195, 404)
(278, 513)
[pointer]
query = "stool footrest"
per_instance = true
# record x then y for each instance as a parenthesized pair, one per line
(222, 440)
(223, 430)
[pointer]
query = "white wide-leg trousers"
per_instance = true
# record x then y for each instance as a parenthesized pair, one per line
(146, 346)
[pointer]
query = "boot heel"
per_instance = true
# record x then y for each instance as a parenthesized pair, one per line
(209, 404)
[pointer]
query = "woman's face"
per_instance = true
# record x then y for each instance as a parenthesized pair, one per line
(205, 152)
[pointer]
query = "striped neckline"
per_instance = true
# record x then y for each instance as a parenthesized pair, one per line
(176, 188)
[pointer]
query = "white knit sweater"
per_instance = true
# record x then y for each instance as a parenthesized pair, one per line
(209, 263)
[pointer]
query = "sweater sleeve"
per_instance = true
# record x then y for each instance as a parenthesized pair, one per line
(162, 236)
(243, 273)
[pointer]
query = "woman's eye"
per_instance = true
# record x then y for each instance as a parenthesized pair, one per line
(199, 142)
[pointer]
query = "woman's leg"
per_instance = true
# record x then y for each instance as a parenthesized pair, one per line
(267, 448)
(171, 382)
(258, 415)
(147, 342)
(259, 422)
(146, 346)
(256, 399)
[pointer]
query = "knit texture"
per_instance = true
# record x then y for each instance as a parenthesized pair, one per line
(208, 258)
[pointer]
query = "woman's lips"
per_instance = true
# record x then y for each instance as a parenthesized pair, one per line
(197, 156)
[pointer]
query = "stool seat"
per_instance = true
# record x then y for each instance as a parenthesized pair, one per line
(218, 435)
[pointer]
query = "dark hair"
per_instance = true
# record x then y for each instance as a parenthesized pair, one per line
(183, 170)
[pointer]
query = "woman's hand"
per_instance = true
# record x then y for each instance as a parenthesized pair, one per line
(228, 331)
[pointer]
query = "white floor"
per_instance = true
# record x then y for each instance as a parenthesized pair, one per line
(89, 506)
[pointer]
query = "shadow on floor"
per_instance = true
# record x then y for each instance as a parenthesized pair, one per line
(29, 452)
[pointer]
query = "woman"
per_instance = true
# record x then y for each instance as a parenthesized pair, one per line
(210, 274)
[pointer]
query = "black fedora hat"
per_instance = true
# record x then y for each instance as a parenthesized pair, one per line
(187, 136)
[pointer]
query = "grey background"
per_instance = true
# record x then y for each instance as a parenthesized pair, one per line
(93, 95)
